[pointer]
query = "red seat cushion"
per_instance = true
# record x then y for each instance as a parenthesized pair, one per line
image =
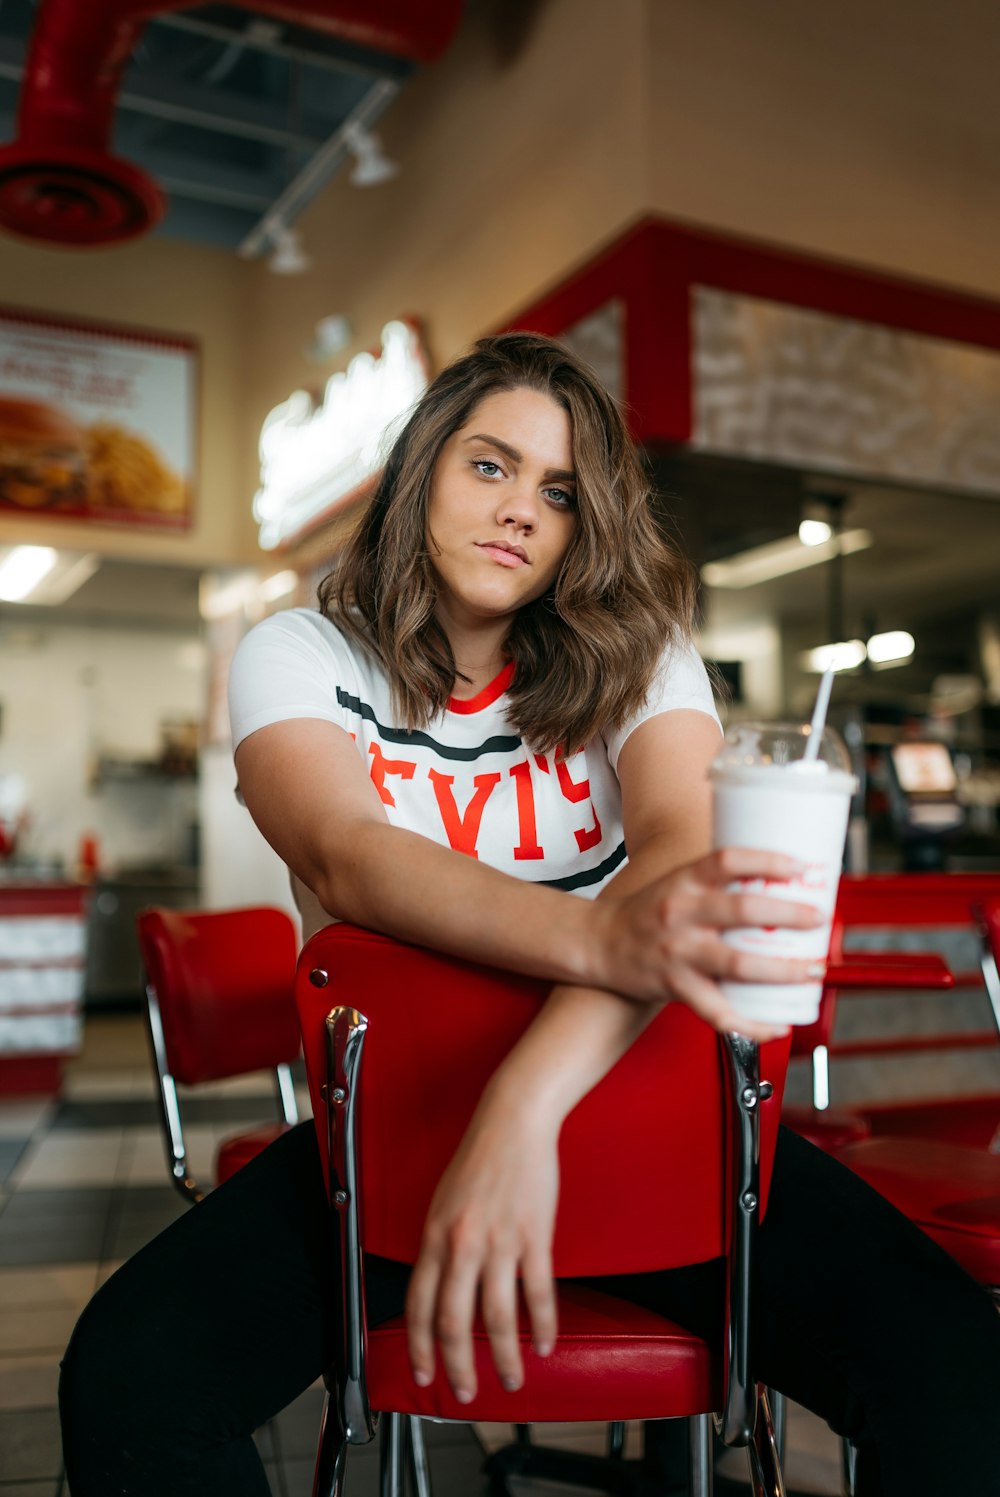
(240, 1148)
(829, 1130)
(974, 1121)
(612, 1360)
(952, 1193)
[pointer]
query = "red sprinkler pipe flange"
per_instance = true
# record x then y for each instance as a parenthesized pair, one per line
(60, 183)
(76, 198)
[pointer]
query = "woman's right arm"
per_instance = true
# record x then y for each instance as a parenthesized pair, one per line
(308, 789)
(309, 792)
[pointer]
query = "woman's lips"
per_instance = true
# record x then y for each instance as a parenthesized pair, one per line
(503, 556)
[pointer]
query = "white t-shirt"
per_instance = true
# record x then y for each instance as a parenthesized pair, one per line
(467, 780)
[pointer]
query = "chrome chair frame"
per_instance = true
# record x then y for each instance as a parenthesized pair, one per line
(177, 1160)
(988, 966)
(348, 1418)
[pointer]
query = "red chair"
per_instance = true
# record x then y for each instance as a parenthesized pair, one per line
(947, 1188)
(951, 1191)
(219, 990)
(666, 1162)
(904, 901)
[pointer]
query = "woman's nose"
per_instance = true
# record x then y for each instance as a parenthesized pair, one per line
(519, 507)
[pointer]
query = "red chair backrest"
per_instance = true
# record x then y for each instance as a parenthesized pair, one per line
(224, 980)
(923, 900)
(641, 1184)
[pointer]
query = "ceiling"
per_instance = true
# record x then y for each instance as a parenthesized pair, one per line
(931, 569)
(121, 594)
(932, 550)
(240, 118)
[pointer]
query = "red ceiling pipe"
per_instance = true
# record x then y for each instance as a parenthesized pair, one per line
(58, 180)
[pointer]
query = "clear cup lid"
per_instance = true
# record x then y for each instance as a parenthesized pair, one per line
(777, 745)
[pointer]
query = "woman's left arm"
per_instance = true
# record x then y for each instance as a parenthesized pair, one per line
(493, 1213)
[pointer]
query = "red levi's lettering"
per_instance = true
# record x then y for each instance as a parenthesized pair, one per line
(381, 766)
(527, 831)
(576, 792)
(463, 831)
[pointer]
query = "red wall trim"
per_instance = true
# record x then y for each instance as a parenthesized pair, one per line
(653, 266)
(112, 330)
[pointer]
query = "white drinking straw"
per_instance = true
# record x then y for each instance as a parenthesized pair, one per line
(818, 722)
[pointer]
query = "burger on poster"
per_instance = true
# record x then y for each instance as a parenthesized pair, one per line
(43, 455)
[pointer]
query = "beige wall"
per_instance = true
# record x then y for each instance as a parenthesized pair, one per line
(175, 288)
(865, 131)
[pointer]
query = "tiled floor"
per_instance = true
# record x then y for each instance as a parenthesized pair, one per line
(83, 1186)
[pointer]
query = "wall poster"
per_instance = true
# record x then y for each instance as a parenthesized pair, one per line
(97, 423)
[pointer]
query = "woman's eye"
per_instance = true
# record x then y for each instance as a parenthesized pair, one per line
(562, 497)
(486, 467)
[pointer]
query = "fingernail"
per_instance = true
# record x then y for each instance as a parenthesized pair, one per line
(817, 969)
(463, 1395)
(421, 1378)
(543, 1348)
(510, 1384)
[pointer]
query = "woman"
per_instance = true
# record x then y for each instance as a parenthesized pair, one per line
(502, 669)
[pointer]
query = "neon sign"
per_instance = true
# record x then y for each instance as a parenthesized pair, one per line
(314, 458)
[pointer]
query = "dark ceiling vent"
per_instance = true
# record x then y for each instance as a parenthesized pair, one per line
(61, 182)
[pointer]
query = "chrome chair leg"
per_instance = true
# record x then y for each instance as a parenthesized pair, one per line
(418, 1457)
(616, 1440)
(779, 1411)
(700, 1445)
(391, 1456)
(328, 1478)
(762, 1453)
(848, 1467)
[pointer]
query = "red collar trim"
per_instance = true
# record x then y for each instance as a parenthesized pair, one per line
(488, 695)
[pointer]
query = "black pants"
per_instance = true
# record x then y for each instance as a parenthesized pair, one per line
(228, 1315)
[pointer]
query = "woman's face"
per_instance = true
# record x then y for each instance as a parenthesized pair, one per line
(502, 508)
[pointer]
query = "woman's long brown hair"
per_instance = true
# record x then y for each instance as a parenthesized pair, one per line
(584, 654)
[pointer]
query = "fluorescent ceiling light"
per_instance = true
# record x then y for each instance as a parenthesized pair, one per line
(22, 569)
(778, 558)
(43, 576)
(278, 585)
(814, 532)
(843, 656)
(890, 649)
(221, 596)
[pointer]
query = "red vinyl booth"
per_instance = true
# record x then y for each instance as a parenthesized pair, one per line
(951, 1192)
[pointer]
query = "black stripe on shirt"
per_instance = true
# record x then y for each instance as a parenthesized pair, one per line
(589, 875)
(500, 745)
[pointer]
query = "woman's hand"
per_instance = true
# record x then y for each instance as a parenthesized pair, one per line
(666, 940)
(491, 1219)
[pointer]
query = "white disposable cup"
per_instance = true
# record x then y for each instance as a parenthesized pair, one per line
(799, 808)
